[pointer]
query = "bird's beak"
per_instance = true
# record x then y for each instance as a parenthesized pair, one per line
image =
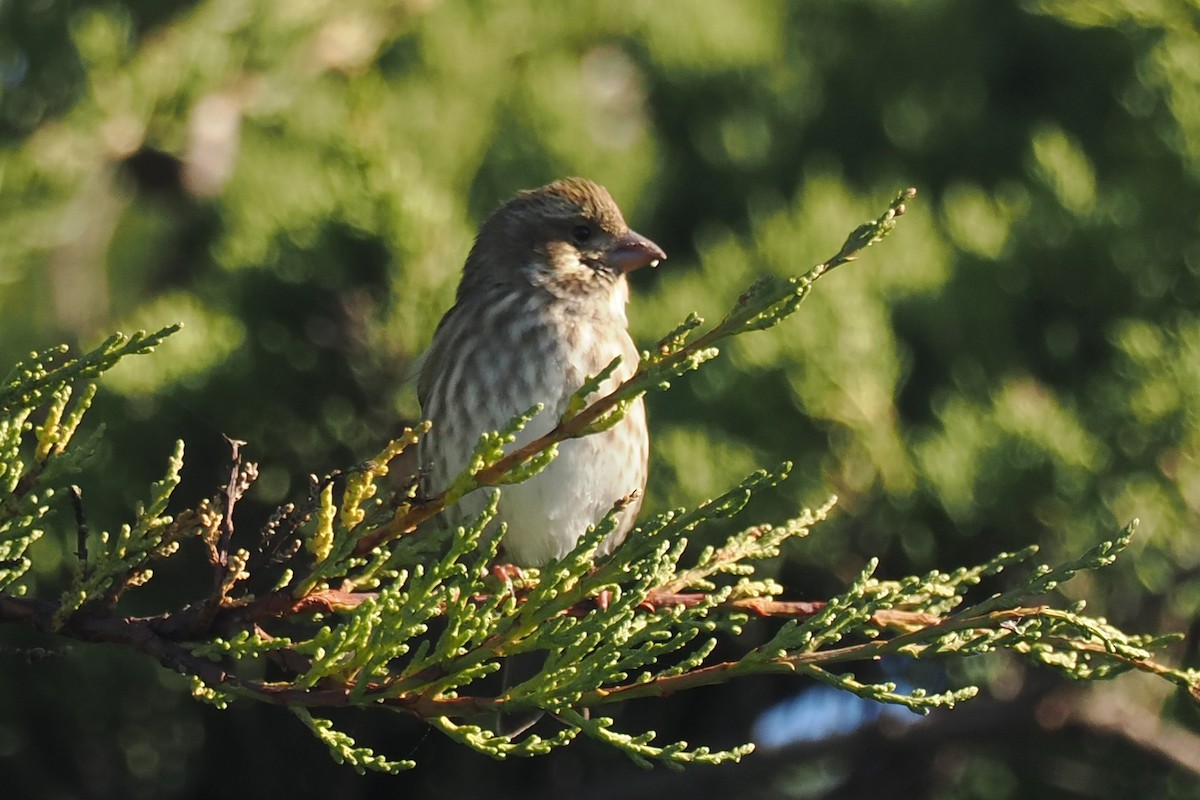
(634, 251)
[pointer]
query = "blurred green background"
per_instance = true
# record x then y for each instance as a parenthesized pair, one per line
(299, 182)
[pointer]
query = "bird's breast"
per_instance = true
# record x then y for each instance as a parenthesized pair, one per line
(531, 353)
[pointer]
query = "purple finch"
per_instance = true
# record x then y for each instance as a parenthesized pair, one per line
(541, 308)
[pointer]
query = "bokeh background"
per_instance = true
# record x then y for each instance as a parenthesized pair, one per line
(299, 182)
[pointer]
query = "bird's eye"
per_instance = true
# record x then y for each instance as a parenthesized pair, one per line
(581, 233)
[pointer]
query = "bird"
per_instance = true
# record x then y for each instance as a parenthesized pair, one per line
(540, 308)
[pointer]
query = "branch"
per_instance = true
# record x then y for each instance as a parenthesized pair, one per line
(354, 612)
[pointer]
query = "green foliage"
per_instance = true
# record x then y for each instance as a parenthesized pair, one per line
(51, 379)
(300, 182)
(356, 618)
(120, 561)
(343, 749)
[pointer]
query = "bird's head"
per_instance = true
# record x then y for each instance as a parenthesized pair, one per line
(567, 238)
